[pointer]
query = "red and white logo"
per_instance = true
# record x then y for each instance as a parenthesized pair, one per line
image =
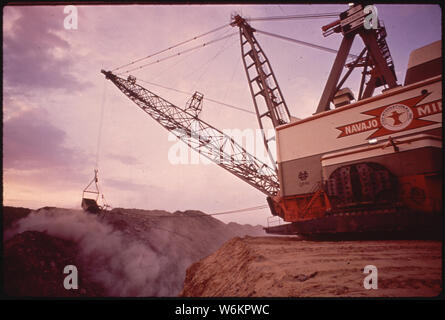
(396, 117)
(401, 116)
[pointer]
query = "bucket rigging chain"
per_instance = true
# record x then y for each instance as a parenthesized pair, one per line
(200, 136)
(89, 204)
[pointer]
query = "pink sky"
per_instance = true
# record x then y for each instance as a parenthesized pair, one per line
(53, 90)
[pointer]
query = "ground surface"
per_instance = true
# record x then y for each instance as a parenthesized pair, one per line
(34, 263)
(120, 253)
(290, 267)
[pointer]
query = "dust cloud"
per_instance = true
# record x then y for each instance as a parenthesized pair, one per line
(135, 252)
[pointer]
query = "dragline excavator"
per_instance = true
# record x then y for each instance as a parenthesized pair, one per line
(375, 163)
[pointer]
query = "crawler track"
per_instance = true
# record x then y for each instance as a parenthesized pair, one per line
(381, 223)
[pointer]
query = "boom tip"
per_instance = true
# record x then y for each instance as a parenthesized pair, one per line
(107, 74)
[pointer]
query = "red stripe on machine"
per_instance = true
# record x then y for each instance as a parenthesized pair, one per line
(395, 117)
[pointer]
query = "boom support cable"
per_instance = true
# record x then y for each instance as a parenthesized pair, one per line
(297, 16)
(172, 47)
(205, 98)
(290, 17)
(212, 59)
(177, 54)
(308, 44)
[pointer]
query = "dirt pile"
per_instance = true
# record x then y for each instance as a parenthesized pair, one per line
(127, 252)
(34, 264)
(12, 214)
(290, 267)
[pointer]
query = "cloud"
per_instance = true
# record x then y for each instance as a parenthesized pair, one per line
(30, 141)
(124, 158)
(35, 56)
(127, 185)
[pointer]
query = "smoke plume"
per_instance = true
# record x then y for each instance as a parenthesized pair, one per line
(133, 252)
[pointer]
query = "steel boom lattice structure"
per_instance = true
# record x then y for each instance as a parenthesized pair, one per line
(199, 135)
(266, 94)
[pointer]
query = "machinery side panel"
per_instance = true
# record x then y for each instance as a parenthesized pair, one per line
(399, 114)
(301, 176)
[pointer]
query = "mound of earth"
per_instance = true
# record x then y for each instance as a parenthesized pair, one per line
(119, 253)
(291, 267)
(12, 214)
(34, 263)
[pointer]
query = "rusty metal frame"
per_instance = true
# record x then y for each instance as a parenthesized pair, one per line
(378, 59)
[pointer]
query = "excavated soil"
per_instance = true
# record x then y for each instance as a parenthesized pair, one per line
(119, 253)
(291, 267)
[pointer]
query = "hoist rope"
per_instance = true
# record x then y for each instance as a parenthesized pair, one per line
(178, 54)
(172, 47)
(297, 16)
(280, 8)
(99, 136)
(190, 93)
(235, 68)
(264, 206)
(164, 72)
(96, 166)
(201, 215)
(315, 46)
(239, 210)
(212, 59)
(204, 65)
(301, 16)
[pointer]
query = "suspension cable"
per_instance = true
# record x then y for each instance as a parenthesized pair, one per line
(298, 16)
(199, 216)
(163, 72)
(315, 46)
(99, 136)
(264, 206)
(203, 65)
(235, 68)
(184, 57)
(208, 99)
(172, 47)
(212, 59)
(302, 16)
(179, 53)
